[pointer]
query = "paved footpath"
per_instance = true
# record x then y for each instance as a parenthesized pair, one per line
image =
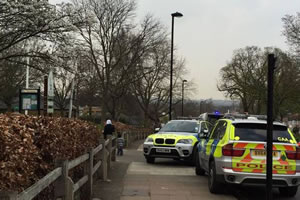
(133, 179)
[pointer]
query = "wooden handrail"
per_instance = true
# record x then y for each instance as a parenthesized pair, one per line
(78, 161)
(98, 148)
(80, 183)
(35, 189)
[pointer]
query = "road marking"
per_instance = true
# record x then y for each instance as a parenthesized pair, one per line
(159, 169)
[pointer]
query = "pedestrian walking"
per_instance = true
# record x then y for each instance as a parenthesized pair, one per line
(109, 128)
(120, 144)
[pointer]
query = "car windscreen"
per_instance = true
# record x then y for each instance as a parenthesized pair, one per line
(258, 132)
(181, 126)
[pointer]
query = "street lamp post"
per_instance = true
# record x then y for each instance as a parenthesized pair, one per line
(182, 96)
(177, 14)
(27, 79)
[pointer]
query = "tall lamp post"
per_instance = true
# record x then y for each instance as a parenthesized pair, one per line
(177, 14)
(182, 101)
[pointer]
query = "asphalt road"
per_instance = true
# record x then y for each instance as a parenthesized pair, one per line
(133, 179)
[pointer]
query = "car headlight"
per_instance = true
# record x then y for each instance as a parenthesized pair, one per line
(149, 140)
(185, 141)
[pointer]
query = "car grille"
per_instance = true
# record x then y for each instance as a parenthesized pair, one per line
(159, 140)
(170, 141)
(163, 145)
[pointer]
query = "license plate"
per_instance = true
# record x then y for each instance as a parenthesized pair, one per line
(163, 150)
(263, 153)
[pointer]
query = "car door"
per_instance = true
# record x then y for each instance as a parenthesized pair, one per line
(202, 140)
(212, 142)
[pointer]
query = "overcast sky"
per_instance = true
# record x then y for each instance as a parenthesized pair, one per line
(211, 29)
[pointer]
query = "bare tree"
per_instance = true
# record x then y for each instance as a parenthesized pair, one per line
(244, 77)
(114, 44)
(291, 25)
(12, 78)
(23, 20)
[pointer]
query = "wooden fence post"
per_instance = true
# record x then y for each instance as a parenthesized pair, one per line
(103, 157)
(89, 165)
(8, 195)
(127, 139)
(63, 186)
(109, 148)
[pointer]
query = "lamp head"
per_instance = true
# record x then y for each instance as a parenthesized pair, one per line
(184, 81)
(177, 14)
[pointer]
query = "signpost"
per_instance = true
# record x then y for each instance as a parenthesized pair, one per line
(50, 96)
(29, 99)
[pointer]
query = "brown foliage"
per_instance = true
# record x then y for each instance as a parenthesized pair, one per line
(29, 145)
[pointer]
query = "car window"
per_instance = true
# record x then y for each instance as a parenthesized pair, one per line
(219, 130)
(181, 126)
(258, 132)
(203, 127)
(209, 126)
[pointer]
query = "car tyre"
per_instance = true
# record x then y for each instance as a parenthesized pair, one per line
(198, 169)
(192, 158)
(288, 191)
(150, 160)
(213, 184)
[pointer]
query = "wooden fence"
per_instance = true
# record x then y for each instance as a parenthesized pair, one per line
(134, 135)
(64, 187)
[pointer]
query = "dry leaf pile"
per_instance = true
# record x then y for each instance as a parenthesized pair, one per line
(29, 145)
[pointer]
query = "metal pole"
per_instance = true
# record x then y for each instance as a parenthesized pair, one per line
(27, 78)
(71, 99)
(182, 98)
(45, 95)
(271, 67)
(171, 72)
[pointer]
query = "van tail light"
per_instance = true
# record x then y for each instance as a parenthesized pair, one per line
(228, 150)
(293, 155)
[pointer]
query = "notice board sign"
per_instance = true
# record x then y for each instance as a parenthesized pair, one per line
(29, 99)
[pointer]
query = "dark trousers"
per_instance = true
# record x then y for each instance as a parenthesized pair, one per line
(106, 136)
(120, 151)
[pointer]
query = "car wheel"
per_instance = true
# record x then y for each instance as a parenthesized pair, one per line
(288, 191)
(192, 157)
(213, 185)
(198, 169)
(150, 160)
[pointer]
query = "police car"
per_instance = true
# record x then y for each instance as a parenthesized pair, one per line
(235, 152)
(177, 139)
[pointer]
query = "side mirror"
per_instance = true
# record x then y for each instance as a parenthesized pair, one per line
(156, 130)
